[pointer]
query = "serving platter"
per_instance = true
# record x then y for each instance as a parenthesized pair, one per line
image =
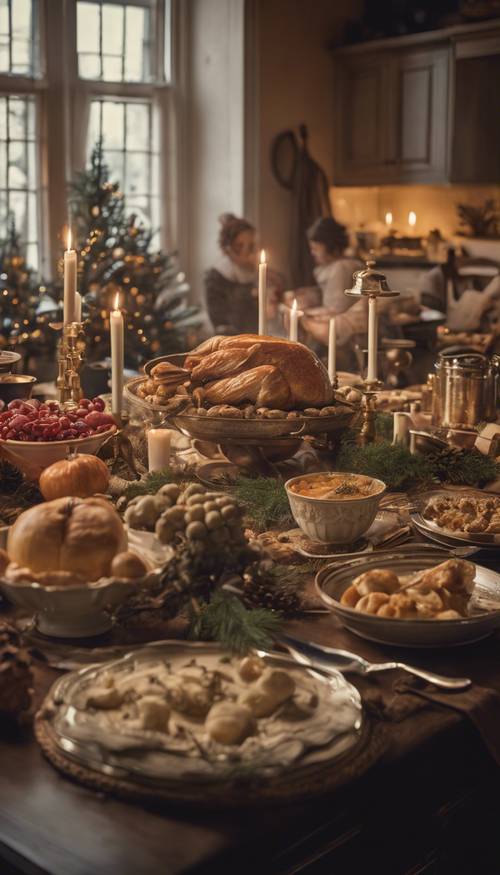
(483, 540)
(484, 609)
(284, 760)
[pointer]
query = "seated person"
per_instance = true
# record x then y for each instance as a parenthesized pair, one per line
(231, 285)
(334, 269)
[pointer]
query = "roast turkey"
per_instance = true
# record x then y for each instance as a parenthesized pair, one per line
(265, 371)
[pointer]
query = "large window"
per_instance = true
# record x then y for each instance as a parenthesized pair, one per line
(73, 72)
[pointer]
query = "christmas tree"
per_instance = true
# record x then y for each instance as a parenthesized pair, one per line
(117, 263)
(26, 309)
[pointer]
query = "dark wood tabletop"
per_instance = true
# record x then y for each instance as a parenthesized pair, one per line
(430, 805)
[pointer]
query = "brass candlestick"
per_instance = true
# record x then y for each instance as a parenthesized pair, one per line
(70, 355)
(371, 284)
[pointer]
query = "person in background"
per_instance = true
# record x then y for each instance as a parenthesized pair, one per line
(334, 271)
(328, 242)
(231, 284)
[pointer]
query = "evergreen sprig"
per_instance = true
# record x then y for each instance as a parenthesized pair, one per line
(225, 619)
(265, 501)
(150, 484)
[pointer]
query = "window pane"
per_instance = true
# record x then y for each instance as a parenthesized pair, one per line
(130, 150)
(113, 40)
(87, 27)
(18, 171)
(113, 124)
(138, 136)
(18, 35)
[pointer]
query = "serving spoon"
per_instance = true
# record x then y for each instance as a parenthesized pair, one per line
(322, 658)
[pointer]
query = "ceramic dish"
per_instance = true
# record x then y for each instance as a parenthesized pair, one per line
(188, 765)
(33, 457)
(15, 386)
(335, 520)
(478, 539)
(83, 611)
(334, 579)
(448, 540)
(8, 360)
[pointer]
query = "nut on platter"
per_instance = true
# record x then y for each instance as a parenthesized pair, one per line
(244, 386)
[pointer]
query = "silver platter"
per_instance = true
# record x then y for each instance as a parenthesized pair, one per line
(484, 617)
(146, 762)
(483, 540)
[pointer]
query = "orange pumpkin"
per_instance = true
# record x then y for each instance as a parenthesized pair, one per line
(78, 476)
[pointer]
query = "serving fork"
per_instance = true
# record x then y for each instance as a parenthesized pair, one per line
(324, 658)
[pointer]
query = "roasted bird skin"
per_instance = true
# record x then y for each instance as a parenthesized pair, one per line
(264, 386)
(222, 360)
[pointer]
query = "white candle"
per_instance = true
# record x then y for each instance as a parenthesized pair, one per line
(332, 350)
(78, 307)
(388, 219)
(412, 220)
(372, 339)
(116, 327)
(262, 293)
(294, 322)
(70, 266)
(159, 440)
(401, 428)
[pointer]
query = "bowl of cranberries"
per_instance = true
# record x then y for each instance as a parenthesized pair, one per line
(33, 434)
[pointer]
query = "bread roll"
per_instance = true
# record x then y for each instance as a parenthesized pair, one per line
(79, 535)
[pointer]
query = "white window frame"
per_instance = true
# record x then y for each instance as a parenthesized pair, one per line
(62, 112)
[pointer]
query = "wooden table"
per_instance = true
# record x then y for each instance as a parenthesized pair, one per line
(432, 805)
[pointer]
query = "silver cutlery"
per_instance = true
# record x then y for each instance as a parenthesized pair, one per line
(322, 658)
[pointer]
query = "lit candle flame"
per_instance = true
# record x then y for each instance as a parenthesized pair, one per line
(117, 301)
(262, 256)
(412, 219)
(68, 247)
(294, 305)
(388, 219)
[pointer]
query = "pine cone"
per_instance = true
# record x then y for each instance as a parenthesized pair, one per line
(16, 679)
(261, 591)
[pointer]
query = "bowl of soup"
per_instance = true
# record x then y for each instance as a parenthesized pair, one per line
(334, 507)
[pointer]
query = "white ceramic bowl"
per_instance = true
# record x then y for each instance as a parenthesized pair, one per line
(32, 457)
(83, 611)
(334, 520)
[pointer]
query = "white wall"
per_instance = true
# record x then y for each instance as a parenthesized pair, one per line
(212, 141)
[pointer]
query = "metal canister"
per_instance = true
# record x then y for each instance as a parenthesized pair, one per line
(466, 390)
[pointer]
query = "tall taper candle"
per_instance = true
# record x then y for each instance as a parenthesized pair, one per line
(332, 350)
(294, 322)
(78, 307)
(70, 266)
(117, 357)
(372, 339)
(262, 293)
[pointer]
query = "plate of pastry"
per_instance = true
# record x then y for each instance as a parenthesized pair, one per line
(470, 518)
(413, 600)
(194, 723)
(246, 387)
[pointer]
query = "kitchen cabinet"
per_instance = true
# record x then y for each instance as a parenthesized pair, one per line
(419, 109)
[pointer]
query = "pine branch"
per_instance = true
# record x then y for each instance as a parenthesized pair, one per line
(265, 501)
(226, 620)
(150, 484)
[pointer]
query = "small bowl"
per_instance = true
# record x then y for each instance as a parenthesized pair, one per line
(334, 520)
(32, 457)
(83, 610)
(15, 386)
(8, 360)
